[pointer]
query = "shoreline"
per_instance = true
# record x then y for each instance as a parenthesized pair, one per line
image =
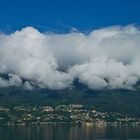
(101, 124)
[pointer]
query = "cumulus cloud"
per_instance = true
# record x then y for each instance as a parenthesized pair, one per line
(105, 58)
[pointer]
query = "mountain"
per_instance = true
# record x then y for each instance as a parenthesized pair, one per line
(123, 101)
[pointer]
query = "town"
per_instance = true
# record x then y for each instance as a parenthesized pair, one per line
(63, 113)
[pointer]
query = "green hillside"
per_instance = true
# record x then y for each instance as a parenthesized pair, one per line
(124, 101)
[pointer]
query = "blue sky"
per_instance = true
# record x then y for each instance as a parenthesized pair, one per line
(62, 15)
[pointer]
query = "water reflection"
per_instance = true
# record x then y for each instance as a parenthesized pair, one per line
(68, 132)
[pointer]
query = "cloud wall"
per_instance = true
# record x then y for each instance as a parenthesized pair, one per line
(105, 58)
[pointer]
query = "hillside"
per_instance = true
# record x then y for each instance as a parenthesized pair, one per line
(124, 101)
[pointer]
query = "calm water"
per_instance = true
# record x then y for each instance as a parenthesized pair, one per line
(68, 132)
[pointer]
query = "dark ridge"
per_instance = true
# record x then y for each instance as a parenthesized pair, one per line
(5, 76)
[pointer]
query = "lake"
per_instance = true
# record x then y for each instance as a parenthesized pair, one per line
(69, 132)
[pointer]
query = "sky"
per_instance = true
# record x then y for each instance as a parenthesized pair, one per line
(63, 15)
(50, 44)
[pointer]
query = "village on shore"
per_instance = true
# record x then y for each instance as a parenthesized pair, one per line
(63, 113)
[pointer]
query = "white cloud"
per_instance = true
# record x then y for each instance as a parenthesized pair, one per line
(12, 80)
(106, 58)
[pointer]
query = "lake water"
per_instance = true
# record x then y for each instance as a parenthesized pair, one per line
(69, 132)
